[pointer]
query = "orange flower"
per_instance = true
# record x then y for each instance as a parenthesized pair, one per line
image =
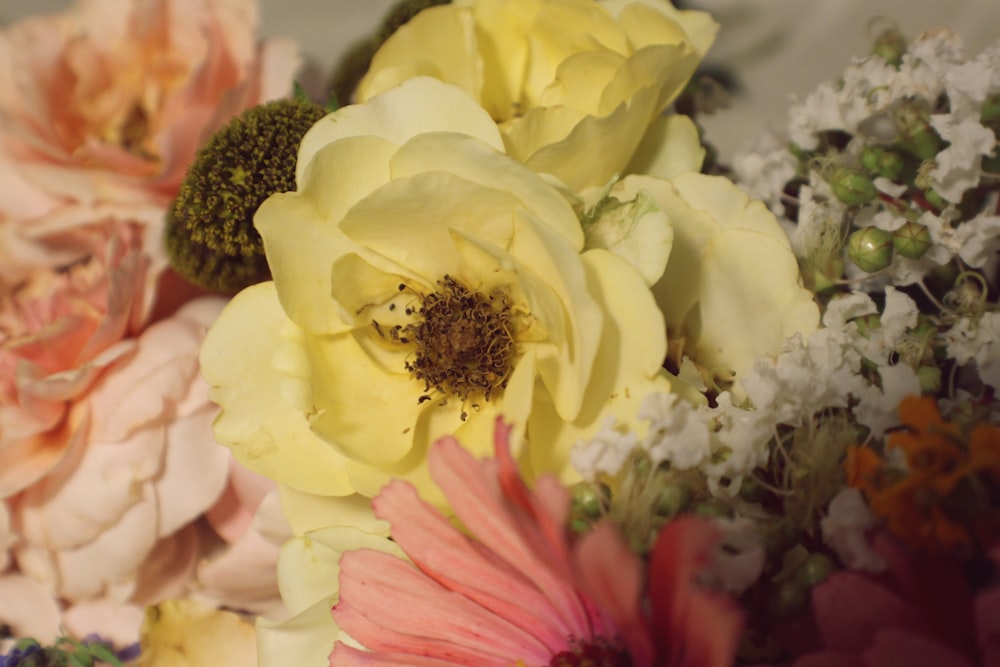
(941, 498)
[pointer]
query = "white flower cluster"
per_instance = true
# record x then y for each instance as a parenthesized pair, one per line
(809, 376)
(877, 104)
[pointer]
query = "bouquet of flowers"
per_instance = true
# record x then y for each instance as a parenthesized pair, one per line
(507, 368)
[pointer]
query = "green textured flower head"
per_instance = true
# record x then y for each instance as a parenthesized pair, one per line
(210, 236)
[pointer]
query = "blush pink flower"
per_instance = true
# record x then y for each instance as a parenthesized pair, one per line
(103, 106)
(106, 452)
(515, 588)
(242, 575)
(922, 611)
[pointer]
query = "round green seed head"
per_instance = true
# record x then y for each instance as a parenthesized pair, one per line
(210, 237)
(912, 240)
(852, 187)
(870, 248)
(890, 46)
(814, 570)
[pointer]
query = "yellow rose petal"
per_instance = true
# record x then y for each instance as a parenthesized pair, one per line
(265, 433)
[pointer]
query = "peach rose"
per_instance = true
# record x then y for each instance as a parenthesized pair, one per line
(244, 573)
(103, 106)
(106, 453)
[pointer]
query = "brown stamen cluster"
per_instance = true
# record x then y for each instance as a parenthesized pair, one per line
(464, 345)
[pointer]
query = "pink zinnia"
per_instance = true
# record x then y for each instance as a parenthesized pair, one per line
(515, 589)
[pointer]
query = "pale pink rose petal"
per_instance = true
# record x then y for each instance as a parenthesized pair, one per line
(194, 470)
(244, 576)
(233, 513)
(91, 490)
(28, 608)
(113, 556)
(165, 573)
(117, 622)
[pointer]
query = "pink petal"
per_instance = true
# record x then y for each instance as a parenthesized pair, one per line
(850, 608)
(613, 576)
(830, 659)
(473, 492)
(987, 614)
(691, 627)
(458, 563)
(894, 647)
(378, 593)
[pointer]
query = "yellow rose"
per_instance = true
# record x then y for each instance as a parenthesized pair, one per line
(731, 291)
(572, 84)
(186, 633)
(423, 283)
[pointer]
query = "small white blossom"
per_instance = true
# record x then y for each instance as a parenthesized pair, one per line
(606, 452)
(958, 167)
(978, 341)
(845, 529)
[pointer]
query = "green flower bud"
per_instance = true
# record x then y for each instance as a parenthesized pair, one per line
(929, 378)
(890, 46)
(814, 570)
(788, 600)
(912, 240)
(589, 500)
(991, 109)
(210, 237)
(711, 509)
(870, 156)
(751, 490)
(868, 323)
(870, 248)
(672, 500)
(915, 132)
(852, 187)
(780, 536)
(934, 199)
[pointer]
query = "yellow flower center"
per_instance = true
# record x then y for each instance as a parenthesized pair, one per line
(463, 341)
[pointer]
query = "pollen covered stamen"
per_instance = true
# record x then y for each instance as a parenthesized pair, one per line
(463, 340)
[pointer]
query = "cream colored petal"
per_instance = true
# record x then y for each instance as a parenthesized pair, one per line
(640, 23)
(573, 320)
(751, 301)
(185, 633)
(365, 412)
(670, 147)
(344, 172)
(634, 229)
(418, 105)
(305, 639)
(726, 203)
(440, 41)
(307, 512)
(476, 162)
(580, 80)
(408, 221)
(501, 26)
(265, 434)
(562, 29)
(309, 566)
(300, 246)
(581, 151)
(627, 367)
(665, 68)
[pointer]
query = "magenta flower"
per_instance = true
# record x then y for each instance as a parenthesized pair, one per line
(514, 589)
(922, 611)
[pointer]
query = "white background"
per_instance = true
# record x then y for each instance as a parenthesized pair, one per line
(777, 47)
